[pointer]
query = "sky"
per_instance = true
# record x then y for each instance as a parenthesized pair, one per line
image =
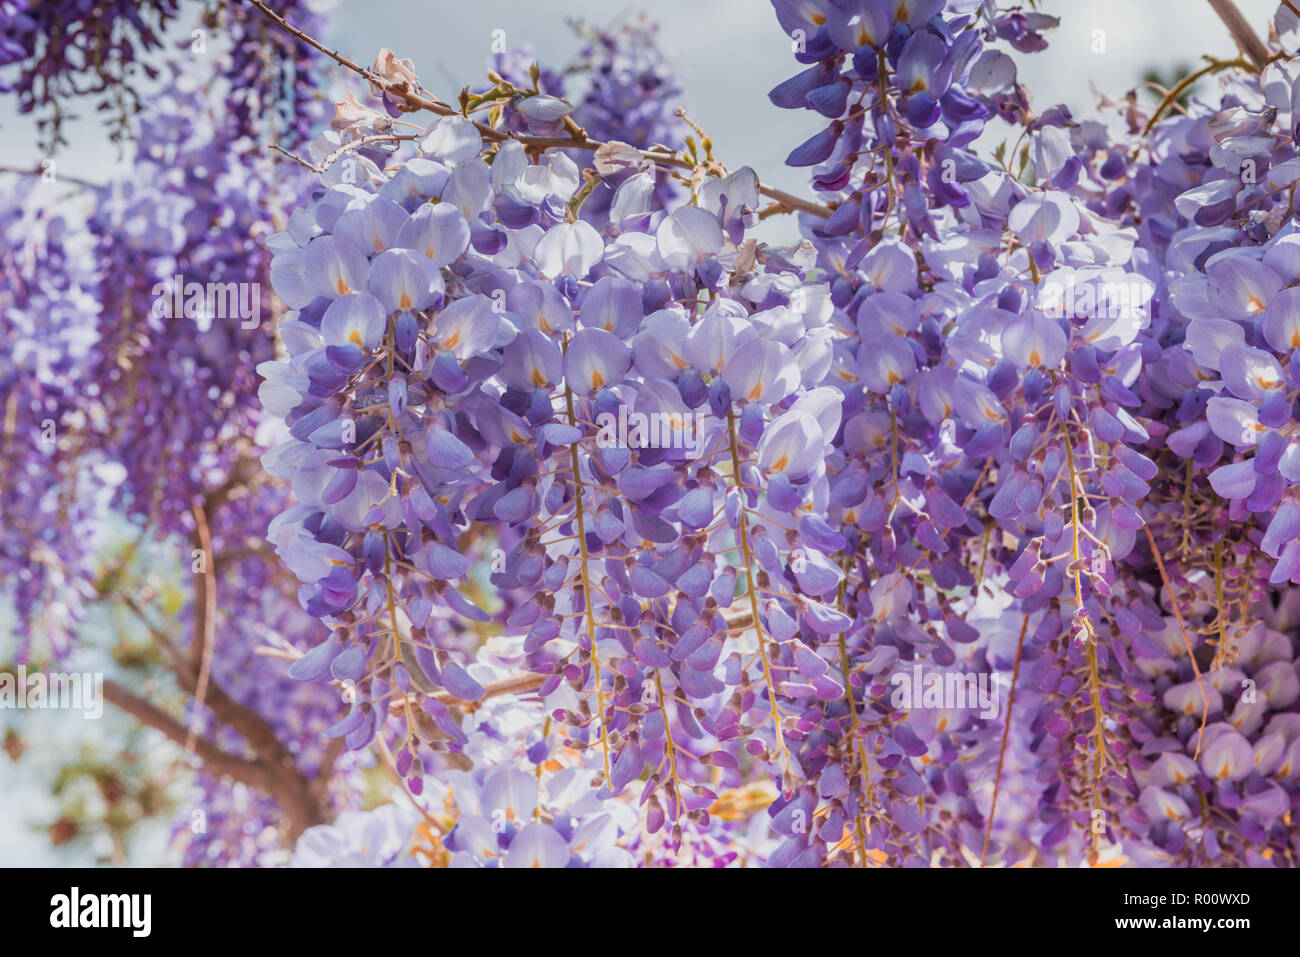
(728, 53)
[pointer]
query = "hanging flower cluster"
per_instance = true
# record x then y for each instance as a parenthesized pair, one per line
(963, 532)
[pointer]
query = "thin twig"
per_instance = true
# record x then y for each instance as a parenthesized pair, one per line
(1178, 616)
(277, 148)
(577, 138)
(515, 684)
(347, 147)
(58, 177)
(1006, 734)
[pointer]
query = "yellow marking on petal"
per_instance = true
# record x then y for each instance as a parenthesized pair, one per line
(1169, 812)
(405, 302)
(817, 18)
(451, 343)
(1225, 770)
(894, 378)
(355, 337)
(756, 393)
(1264, 383)
(1253, 305)
(430, 252)
(597, 380)
(779, 465)
(342, 287)
(537, 378)
(1034, 360)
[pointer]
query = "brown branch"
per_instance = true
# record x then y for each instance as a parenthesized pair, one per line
(1242, 32)
(333, 751)
(577, 138)
(260, 550)
(255, 729)
(302, 802)
(274, 770)
(246, 467)
(220, 762)
(58, 177)
(205, 612)
(794, 203)
(282, 779)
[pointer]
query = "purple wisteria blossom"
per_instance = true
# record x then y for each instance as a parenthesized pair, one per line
(964, 532)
